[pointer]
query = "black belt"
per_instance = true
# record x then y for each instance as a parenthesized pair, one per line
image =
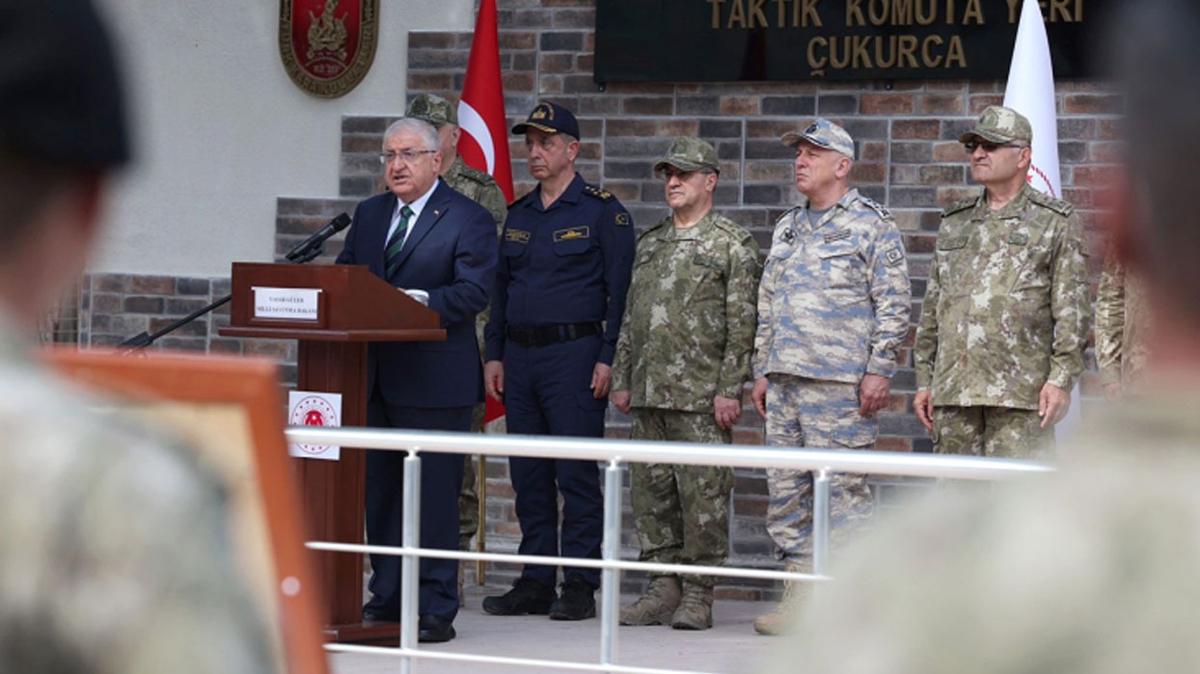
(545, 335)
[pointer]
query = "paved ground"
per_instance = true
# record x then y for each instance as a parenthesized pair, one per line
(731, 646)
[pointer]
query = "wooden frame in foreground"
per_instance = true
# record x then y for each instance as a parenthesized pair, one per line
(232, 411)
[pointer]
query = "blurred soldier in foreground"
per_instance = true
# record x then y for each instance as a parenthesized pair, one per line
(115, 554)
(1091, 570)
(832, 311)
(683, 356)
(1004, 321)
(1122, 330)
(483, 190)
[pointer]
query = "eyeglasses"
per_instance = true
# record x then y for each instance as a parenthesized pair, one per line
(406, 157)
(987, 146)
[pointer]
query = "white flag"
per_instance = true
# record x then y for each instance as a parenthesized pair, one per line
(1030, 91)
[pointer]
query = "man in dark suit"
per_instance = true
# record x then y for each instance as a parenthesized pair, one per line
(440, 248)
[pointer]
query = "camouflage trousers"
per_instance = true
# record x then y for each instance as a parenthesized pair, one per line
(468, 498)
(681, 512)
(803, 412)
(990, 431)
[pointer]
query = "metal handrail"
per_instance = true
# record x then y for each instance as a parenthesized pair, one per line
(822, 462)
(641, 451)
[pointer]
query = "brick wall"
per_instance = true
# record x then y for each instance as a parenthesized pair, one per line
(910, 160)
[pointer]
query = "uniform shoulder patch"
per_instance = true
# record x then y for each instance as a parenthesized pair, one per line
(593, 191)
(875, 206)
(1059, 206)
(959, 206)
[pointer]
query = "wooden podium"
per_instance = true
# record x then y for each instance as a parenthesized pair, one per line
(352, 308)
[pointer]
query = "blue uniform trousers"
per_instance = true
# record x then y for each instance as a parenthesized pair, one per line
(546, 392)
(441, 478)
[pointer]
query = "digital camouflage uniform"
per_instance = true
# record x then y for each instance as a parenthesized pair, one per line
(1122, 327)
(116, 555)
(483, 190)
(833, 306)
(686, 337)
(1089, 570)
(1005, 311)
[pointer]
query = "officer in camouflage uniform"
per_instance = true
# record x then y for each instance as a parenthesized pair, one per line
(1122, 330)
(1093, 569)
(1004, 323)
(115, 545)
(833, 309)
(682, 359)
(483, 190)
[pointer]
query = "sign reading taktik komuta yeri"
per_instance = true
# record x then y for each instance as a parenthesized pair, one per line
(738, 40)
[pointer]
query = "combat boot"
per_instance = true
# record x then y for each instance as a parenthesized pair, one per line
(795, 592)
(656, 606)
(695, 611)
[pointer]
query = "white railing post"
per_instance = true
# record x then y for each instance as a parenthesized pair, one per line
(820, 529)
(610, 578)
(409, 564)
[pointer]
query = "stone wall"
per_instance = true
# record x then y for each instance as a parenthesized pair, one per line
(909, 159)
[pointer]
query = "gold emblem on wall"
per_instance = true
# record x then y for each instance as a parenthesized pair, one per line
(327, 46)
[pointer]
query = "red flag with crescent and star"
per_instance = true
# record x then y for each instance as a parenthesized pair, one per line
(484, 140)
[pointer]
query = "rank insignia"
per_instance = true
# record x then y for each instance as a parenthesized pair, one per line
(571, 233)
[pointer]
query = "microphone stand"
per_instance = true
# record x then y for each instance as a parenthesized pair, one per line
(301, 255)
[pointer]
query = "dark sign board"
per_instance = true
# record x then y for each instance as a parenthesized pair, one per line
(733, 40)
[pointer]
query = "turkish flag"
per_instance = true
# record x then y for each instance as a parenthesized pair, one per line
(1030, 91)
(484, 140)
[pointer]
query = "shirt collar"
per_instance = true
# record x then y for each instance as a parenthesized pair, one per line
(418, 204)
(570, 195)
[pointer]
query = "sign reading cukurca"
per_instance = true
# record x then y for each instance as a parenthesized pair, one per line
(327, 46)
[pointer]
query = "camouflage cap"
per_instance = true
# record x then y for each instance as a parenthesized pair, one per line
(433, 109)
(822, 133)
(998, 124)
(689, 154)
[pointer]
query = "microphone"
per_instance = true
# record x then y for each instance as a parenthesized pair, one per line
(311, 247)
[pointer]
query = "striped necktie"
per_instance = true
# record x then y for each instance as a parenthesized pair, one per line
(396, 243)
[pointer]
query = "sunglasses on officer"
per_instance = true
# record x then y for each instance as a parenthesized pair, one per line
(988, 146)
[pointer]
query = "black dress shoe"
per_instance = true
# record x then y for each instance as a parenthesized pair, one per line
(371, 614)
(578, 601)
(528, 597)
(432, 629)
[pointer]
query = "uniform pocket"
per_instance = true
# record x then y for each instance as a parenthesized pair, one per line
(841, 265)
(572, 246)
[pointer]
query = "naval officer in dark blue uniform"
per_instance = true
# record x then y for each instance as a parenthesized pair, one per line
(565, 262)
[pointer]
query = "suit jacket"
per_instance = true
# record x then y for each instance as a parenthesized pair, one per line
(451, 254)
